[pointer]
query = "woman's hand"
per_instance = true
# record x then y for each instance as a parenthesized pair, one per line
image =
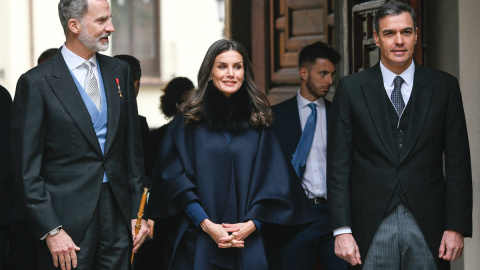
(220, 234)
(244, 229)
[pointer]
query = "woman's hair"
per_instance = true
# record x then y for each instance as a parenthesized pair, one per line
(192, 108)
(174, 95)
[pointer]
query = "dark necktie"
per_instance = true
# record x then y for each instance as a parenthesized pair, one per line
(303, 148)
(396, 96)
(91, 85)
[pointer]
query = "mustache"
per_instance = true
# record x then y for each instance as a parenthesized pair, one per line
(105, 36)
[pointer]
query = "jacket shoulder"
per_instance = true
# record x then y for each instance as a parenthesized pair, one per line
(112, 61)
(362, 76)
(436, 76)
(285, 105)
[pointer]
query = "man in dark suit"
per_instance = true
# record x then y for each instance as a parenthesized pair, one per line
(15, 233)
(76, 148)
(148, 155)
(394, 129)
(144, 258)
(292, 124)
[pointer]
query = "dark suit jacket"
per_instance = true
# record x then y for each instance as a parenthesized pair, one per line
(10, 206)
(287, 124)
(57, 160)
(147, 143)
(364, 168)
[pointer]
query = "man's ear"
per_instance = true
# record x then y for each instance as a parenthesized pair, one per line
(375, 35)
(416, 30)
(136, 85)
(303, 73)
(74, 26)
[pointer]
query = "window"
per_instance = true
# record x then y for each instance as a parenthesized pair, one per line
(137, 27)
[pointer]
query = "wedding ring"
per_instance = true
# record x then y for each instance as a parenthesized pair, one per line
(234, 235)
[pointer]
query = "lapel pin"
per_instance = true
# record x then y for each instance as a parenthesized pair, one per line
(119, 90)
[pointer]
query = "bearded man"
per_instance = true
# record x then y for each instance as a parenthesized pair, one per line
(301, 126)
(76, 147)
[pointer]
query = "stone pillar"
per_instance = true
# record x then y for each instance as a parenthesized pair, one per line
(469, 69)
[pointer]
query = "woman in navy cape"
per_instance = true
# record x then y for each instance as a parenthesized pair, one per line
(222, 186)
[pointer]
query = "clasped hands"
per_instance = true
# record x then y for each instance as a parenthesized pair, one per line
(451, 247)
(228, 235)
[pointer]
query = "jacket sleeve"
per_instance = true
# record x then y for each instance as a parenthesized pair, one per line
(27, 147)
(339, 160)
(133, 149)
(458, 172)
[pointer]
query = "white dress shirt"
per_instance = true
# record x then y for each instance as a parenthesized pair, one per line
(314, 176)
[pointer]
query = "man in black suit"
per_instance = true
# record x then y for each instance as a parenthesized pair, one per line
(76, 148)
(394, 129)
(148, 155)
(316, 69)
(15, 233)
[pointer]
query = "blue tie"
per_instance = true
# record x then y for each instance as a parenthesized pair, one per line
(396, 96)
(303, 148)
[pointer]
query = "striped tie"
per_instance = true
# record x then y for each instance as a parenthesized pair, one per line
(396, 96)
(91, 86)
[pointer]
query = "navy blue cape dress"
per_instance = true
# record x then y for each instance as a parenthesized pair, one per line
(247, 177)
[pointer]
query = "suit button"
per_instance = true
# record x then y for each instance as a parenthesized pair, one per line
(402, 191)
(400, 146)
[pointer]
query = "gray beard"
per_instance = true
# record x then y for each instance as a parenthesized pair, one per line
(91, 42)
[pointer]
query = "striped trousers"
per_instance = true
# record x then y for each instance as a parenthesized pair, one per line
(399, 244)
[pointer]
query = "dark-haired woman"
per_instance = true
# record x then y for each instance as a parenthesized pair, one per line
(222, 183)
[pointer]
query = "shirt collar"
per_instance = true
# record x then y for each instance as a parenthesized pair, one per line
(389, 76)
(74, 61)
(303, 102)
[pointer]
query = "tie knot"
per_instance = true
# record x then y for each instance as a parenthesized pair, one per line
(313, 107)
(88, 65)
(397, 82)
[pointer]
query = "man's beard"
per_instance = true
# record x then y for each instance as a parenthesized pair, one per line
(91, 42)
(313, 90)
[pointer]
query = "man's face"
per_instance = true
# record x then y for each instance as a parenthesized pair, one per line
(96, 26)
(317, 79)
(396, 39)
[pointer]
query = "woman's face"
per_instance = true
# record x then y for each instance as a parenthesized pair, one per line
(227, 72)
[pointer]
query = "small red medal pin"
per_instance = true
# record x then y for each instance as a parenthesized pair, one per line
(119, 90)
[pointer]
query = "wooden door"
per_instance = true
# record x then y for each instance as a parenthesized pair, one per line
(280, 29)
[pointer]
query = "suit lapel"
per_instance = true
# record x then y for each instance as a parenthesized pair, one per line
(420, 98)
(66, 90)
(374, 92)
(110, 72)
(293, 117)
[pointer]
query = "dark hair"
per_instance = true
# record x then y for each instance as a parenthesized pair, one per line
(310, 53)
(192, 107)
(393, 8)
(46, 55)
(133, 63)
(71, 9)
(174, 95)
